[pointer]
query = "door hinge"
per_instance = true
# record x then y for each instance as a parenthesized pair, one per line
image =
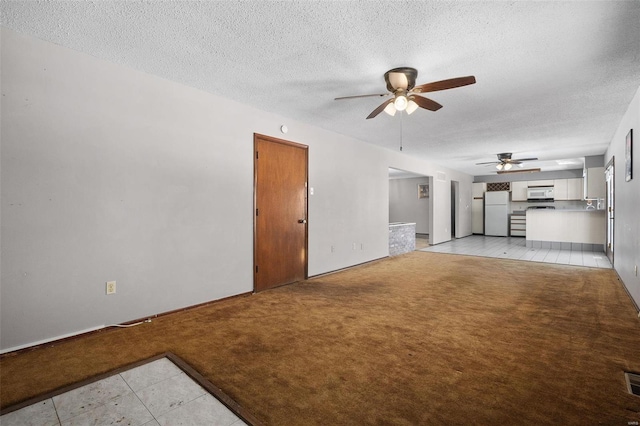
(256, 155)
(256, 269)
(256, 212)
(608, 245)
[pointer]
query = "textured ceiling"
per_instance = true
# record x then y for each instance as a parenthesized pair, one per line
(553, 78)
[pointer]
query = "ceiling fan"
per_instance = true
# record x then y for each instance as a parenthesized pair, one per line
(401, 84)
(506, 162)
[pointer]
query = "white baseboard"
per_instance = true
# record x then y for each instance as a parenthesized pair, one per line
(53, 339)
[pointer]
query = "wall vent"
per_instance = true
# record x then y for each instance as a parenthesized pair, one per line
(633, 383)
(498, 186)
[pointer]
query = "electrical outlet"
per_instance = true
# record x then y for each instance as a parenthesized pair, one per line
(333, 248)
(111, 287)
(354, 246)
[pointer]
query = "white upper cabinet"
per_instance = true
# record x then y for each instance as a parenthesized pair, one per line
(594, 185)
(568, 189)
(560, 189)
(519, 191)
(575, 189)
(478, 189)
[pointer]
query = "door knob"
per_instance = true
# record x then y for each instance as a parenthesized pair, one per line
(302, 220)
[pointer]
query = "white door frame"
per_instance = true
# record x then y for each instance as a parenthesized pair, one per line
(609, 175)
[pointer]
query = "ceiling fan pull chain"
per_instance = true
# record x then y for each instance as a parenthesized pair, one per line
(401, 114)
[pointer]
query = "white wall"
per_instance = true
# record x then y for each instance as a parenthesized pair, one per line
(627, 200)
(111, 174)
(404, 204)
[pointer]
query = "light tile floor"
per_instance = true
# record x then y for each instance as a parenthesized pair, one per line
(515, 248)
(155, 394)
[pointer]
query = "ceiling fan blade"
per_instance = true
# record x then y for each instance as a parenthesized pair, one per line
(488, 162)
(379, 109)
(445, 84)
(426, 103)
(525, 159)
(359, 96)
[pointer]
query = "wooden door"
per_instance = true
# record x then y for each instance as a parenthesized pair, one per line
(280, 224)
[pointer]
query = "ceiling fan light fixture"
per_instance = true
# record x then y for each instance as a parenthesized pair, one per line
(401, 84)
(499, 166)
(390, 109)
(508, 166)
(411, 106)
(400, 102)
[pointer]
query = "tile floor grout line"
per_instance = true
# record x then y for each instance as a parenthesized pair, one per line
(141, 401)
(56, 411)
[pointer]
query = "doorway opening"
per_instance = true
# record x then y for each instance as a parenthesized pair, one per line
(410, 202)
(455, 208)
(609, 174)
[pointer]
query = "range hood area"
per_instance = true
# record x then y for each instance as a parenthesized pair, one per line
(537, 194)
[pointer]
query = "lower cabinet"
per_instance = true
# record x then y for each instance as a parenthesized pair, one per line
(518, 226)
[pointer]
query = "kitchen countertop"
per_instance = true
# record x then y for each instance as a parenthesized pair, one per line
(567, 210)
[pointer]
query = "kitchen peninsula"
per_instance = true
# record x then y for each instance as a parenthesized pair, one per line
(567, 229)
(402, 238)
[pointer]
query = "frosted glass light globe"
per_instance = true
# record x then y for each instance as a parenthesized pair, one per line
(400, 103)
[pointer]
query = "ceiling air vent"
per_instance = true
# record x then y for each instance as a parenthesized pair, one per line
(633, 383)
(498, 186)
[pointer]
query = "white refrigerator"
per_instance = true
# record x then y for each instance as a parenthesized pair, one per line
(496, 213)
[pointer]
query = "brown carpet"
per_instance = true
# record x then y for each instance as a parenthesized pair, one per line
(422, 338)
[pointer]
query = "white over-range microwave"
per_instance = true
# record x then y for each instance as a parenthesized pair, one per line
(540, 193)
